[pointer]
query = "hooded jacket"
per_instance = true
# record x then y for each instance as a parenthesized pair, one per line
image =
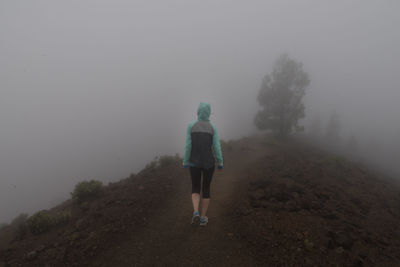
(202, 140)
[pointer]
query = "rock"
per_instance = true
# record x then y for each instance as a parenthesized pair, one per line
(384, 241)
(85, 206)
(51, 253)
(257, 194)
(259, 184)
(264, 203)
(329, 216)
(342, 239)
(282, 196)
(315, 205)
(358, 262)
(292, 206)
(299, 236)
(339, 250)
(92, 236)
(80, 224)
(13, 262)
(75, 236)
(296, 189)
(31, 255)
(243, 210)
(40, 248)
(308, 244)
(305, 205)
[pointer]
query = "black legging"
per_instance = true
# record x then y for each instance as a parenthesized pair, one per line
(195, 174)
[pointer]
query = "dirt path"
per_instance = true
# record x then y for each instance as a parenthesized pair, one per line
(170, 240)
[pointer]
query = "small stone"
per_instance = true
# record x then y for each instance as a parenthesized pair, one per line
(51, 253)
(257, 194)
(308, 244)
(343, 239)
(85, 206)
(75, 236)
(31, 255)
(339, 250)
(40, 248)
(92, 235)
(80, 224)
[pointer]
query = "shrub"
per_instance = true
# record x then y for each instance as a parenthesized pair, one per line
(87, 190)
(162, 161)
(169, 160)
(19, 225)
(61, 218)
(42, 221)
(151, 166)
(20, 219)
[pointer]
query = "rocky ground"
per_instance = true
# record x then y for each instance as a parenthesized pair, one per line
(275, 204)
(307, 208)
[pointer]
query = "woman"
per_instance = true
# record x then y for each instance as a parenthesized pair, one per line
(201, 140)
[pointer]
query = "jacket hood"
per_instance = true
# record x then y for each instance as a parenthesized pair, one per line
(204, 111)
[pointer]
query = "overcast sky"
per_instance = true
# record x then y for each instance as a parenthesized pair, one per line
(94, 89)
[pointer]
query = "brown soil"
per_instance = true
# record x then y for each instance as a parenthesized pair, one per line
(274, 204)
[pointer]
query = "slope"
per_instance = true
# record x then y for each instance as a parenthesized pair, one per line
(275, 204)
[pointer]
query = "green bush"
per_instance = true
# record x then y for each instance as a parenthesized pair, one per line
(20, 219)
(42, 221)
(160, 162)
(19, 225)
(61, 218)
(87, 190)
(151, 166)
(169, 160)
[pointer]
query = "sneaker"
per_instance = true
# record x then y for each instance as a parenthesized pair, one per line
(196, 217)
(203, 221)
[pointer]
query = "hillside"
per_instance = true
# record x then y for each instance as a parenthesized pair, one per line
(275, 204)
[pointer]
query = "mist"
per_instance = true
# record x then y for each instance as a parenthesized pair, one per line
(96, 89)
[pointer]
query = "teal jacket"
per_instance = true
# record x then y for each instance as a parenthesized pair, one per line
(202, 140)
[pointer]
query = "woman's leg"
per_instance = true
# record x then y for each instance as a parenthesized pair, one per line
(207, 177)
(195, 174)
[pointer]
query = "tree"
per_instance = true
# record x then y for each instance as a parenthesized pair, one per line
(281, 96)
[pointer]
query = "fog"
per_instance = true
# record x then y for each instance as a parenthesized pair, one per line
(95, 89)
